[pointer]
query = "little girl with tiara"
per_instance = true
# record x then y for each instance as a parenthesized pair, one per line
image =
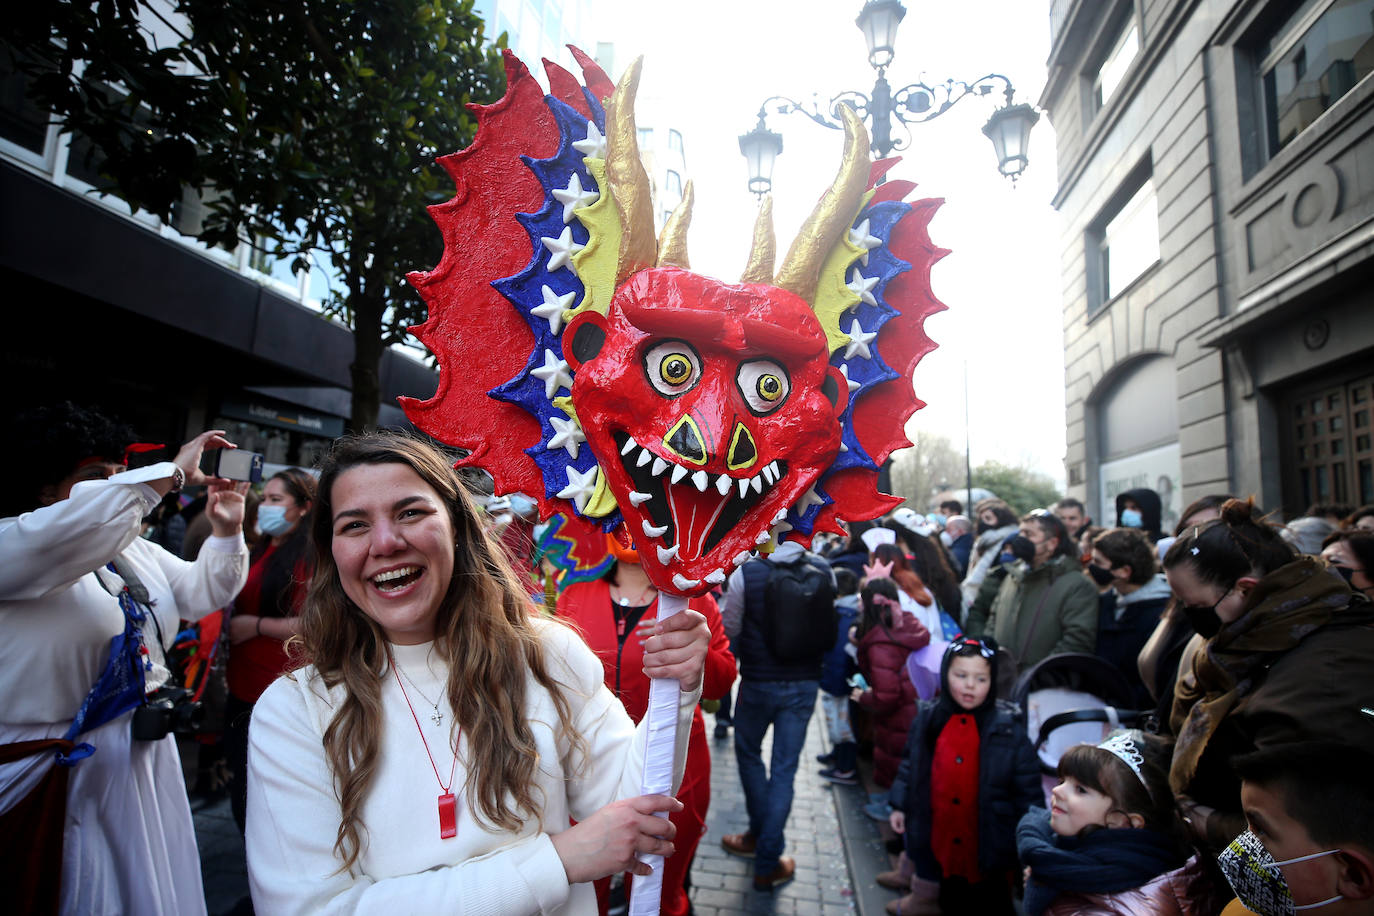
(1109, 843)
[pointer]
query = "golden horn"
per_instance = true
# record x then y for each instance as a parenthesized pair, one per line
(760, 266)
(828, 222)
(625, 175)
(672, 244)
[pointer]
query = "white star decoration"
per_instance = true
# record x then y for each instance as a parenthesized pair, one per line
(553, 308)
(859, 236)
(573, 196)
(862, 287)
(554, 374)
(567, 435)
(859, 339)
(561, 249)
(581, 486)
(808, 499)
(853, 385)
(594, 147)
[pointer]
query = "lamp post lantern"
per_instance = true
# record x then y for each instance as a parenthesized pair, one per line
(1008, 128)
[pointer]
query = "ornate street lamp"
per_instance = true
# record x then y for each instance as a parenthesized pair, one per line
(1008, 128)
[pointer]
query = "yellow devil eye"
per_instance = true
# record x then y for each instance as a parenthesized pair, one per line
(672, 367)
(675, 369)
(764, 385)
(769, 387)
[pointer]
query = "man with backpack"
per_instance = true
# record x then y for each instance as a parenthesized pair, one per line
(780, 614)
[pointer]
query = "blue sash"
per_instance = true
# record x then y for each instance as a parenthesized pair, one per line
(120, 686)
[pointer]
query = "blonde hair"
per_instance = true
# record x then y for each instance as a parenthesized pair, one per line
(484, 634)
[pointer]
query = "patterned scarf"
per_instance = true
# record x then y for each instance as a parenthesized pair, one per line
(1282, 609)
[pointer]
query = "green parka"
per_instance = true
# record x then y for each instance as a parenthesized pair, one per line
(1042, 612)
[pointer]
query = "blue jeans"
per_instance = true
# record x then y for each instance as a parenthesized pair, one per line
(787, 707)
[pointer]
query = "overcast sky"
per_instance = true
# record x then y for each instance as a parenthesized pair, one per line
(712, 62)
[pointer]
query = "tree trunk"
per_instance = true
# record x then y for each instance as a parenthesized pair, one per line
(367, 362)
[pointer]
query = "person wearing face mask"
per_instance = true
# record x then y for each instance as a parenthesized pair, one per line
(1123, 561)
(1140, 508)
(996, 523)
(1286, 660)
(1351, 554)
(265, 615)
(1308, 842)
(1045, 605)
(1308, 845)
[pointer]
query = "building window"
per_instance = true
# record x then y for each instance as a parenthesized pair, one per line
(645, 136)
(1112, 70)
(1123, 243)
(1310, 61)
(673, 184)
(675, 141)
(22, 122)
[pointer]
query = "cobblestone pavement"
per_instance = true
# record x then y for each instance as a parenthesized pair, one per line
(817, 833)
(722, 883)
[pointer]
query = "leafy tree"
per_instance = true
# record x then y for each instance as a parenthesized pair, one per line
(1022, 488)
(917, 472)
(301, 126)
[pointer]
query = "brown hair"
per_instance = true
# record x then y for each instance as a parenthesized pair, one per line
(902, 573)
(1128, 547)
(483, 633)
(1101, 770)
(1240, 543)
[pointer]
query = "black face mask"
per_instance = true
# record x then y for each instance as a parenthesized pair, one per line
(1021, 547)
(1101, 575)
(1205, 620)
(983, 527)
(1347, 574)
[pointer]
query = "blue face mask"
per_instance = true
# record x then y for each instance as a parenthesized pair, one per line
(272, 521)
(1131, 518)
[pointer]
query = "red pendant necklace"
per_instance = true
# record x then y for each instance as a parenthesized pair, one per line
(448, 805)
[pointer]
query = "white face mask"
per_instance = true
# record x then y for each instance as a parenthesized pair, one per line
(1258, 880)
(946, 539)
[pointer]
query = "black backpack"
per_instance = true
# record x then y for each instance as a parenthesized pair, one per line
(800, 619)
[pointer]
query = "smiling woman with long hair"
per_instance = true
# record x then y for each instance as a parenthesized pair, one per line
(443, 735)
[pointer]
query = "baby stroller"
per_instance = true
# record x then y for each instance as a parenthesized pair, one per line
(1072, 699)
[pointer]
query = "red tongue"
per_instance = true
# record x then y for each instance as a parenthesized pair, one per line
(694, 513)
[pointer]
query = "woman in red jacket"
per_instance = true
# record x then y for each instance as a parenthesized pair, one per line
(609, 611)
(886, 636)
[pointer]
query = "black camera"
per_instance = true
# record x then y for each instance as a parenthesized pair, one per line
(167, 710)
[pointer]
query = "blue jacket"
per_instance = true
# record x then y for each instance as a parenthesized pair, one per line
(838, 664)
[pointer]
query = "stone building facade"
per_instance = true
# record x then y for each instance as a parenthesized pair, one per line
(1216, 183)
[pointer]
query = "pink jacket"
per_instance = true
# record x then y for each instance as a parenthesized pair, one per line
(1166, 895)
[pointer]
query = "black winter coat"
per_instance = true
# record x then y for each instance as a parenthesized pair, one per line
(1008, 786)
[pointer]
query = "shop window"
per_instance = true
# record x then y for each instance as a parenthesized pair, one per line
(1309, 61)
(1123, 242)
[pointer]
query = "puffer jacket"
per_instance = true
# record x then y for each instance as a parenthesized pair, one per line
(1165, 895)
(1008, 786)
(1044, 611)
(891, 697)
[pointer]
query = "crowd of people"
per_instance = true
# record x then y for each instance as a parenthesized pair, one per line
(403, 726)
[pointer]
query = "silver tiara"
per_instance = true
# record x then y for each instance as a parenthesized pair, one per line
(1122, 744)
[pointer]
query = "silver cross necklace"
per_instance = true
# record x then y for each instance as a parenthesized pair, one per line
(436, 716)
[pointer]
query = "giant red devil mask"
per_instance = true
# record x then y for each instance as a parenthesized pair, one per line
(582, 362)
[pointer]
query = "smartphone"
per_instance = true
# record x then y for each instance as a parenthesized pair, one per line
(236, 464)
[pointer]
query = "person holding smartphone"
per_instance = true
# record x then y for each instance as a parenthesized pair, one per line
(93, 809)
